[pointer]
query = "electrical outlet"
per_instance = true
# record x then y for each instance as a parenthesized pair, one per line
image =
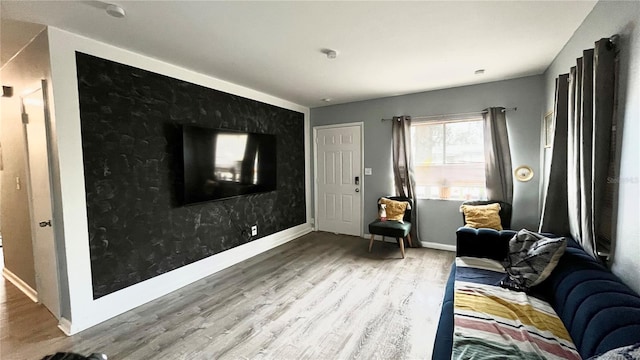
(254, 230)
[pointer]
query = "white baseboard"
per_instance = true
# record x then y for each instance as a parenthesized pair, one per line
(438, 246)
(109, 306)
(23, 286)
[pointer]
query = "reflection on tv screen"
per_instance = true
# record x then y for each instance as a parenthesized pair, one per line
(221, 163)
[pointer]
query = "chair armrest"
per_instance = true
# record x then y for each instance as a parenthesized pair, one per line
(483, 243)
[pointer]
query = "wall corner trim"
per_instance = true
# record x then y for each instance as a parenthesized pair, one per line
(65, 326)
(21, 285)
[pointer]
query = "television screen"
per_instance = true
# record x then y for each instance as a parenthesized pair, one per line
(219, 164)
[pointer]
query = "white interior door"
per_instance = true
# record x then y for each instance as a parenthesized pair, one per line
(44, 251)
(338, 179)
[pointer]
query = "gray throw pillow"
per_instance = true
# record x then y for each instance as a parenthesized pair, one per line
(623, 353)
(532, 257)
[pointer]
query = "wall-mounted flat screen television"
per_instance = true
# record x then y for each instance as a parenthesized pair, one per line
(220, 163)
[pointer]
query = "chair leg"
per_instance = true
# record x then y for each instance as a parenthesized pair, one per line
(409, 239)
(401, 240)
(371, 242)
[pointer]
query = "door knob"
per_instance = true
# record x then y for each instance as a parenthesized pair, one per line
(357, 190)
(45, 223)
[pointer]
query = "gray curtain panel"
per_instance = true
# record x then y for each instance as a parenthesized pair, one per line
(402, 164)
(589, 114)
(497, 156)
(555, 215)
(403, 175)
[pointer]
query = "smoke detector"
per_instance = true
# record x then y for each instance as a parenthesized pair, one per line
(115, 10)
(331, 54)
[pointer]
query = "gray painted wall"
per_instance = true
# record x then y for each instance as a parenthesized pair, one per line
(606, 19)
(440, 218)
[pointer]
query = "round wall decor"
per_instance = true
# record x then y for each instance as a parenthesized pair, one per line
(523, 173)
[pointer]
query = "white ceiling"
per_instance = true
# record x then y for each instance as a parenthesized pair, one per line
(14, 35)
(384, 48)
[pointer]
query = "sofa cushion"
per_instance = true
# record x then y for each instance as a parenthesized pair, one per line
(479, 270)
(390, 228)
(492, 322)
(532, 257)
(482, 216)
(483, 243)
(395, 209)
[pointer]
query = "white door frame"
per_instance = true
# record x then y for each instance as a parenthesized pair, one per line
(360, 124)
(56, 311)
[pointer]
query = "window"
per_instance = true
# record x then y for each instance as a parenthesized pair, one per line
(448, 159)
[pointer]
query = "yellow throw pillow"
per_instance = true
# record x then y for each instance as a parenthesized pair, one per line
(395, 209)
(482, 216)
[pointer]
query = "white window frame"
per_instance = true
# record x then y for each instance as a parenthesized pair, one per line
(443, 121)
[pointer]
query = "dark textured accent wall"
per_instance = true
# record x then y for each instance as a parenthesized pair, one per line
(132, 155)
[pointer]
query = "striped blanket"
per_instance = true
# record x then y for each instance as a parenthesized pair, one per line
(495, 323)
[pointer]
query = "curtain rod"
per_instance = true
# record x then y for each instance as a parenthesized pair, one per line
(457, 114)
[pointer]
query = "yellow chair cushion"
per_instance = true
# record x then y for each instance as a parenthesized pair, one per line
(395, 209)
(482, 216)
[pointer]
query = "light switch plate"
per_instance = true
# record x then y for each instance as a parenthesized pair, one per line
(367, 171)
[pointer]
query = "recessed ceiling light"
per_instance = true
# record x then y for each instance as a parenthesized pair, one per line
(479, 72)
(115, 11)
(327, 99)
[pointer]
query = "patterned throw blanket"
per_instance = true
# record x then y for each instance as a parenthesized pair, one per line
(496, 323)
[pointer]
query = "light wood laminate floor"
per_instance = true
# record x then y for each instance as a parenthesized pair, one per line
(322, 296)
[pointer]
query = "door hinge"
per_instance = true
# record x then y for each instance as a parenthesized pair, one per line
(25, 118)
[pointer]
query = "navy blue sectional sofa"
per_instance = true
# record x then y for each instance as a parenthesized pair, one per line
(599, 311)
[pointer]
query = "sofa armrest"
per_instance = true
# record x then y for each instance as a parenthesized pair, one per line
(483, 243)
(443, 345)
